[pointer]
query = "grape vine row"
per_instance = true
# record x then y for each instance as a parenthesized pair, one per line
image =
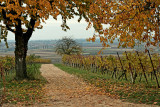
(129, 66)
(7, 63)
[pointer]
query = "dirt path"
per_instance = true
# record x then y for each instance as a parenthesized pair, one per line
(65, 90)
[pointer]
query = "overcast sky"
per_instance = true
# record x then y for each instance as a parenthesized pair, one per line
(52, 30)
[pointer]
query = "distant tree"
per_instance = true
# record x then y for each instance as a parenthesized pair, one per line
(67, 46)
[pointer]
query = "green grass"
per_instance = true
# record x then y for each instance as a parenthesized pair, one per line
(25, 91)
(139, 92)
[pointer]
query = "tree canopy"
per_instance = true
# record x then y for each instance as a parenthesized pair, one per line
(131, 21)
(30, 13)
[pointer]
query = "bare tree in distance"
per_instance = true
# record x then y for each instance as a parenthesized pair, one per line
(68, 46)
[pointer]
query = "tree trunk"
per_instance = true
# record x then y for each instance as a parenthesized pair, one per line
(21, 47)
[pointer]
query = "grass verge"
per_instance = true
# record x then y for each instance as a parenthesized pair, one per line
(25, 91)
(136, 93)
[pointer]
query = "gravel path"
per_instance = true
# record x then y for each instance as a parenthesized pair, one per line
(65, 90)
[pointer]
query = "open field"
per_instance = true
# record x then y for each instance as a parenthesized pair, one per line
(50, 53)
(106, 51)
(43, 53)
(45, 48)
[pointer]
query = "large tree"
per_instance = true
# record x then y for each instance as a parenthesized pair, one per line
(22, 17)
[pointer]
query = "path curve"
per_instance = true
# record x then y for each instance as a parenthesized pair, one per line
(65, 90)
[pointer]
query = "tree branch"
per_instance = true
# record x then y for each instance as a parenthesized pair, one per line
(6, 20)
(8, 28)
(29, 32)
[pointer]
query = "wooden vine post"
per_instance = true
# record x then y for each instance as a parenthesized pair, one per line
(124, 71)
(115, 69)
(130, 68)
(153, 68)
(142, 67)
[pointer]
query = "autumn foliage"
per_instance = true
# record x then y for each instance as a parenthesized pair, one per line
(131, 21)
(40, 10)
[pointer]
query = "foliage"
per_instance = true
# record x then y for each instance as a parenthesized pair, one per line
(32, 58)
(7, 63)
(29, 11)
(137, 93)
(67, 46)
(33, 71)
(130, 21)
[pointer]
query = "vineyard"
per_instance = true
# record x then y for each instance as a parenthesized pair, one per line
(7, 63)
(131, 66)
(7, 71)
